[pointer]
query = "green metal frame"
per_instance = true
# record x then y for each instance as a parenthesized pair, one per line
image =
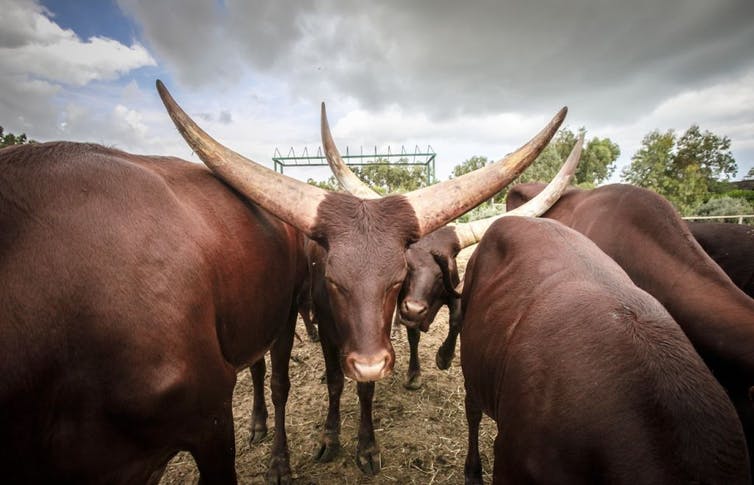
(417, 158)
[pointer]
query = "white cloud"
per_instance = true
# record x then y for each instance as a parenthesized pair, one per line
(34, 46)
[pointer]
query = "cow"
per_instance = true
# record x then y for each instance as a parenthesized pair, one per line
(644, 234)
(133, 289)
(587, 377)
(360, 265)
(432, 270)
(732, 248)
(259, 414)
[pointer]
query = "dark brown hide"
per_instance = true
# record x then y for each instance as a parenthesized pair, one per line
(644, 234)
(133, 289)
(386, 226)
(430, 284)
(588, 377)
(732, 248)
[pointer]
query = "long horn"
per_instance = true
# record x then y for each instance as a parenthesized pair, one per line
(347, 179)
(437, 204)
(471, 232)
(292, 201)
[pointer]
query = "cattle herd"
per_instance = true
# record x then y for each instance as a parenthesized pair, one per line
(609, 341)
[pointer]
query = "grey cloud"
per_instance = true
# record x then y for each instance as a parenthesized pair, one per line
(225, 117)
(449, 57)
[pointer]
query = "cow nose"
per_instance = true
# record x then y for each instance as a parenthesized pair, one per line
(414, 310)
(368, 368)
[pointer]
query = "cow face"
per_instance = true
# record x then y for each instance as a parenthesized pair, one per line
(364, 266)
(430, 282)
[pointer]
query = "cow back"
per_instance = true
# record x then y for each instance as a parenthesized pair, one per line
(583, 371)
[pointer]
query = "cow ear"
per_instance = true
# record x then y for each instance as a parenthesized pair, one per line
(520, 194)
(449, 270)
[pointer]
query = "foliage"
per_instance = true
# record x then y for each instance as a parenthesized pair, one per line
(683, 169)
(7, 139)
(596, 165)
(386, 178)
(747, 195)
(725, 206)
(750, 174)
(469, 165)
(329, 184)
(392, 178)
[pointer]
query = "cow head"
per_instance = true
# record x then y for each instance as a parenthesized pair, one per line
(432, 278)
(364, 240)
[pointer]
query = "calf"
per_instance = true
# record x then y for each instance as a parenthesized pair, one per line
(588, 377)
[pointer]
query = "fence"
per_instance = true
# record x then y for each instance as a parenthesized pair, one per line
(740, 218)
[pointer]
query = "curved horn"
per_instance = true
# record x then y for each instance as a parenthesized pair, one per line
(348, 180)
(437, 204)
(292, 201)
(471, 232)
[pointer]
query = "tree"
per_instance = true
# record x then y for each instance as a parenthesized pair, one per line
(469, 165)
(682, 169)
(329, 184)
(7, 139)
(750, 174)
(596, 165)
(724, 206)
(391, 178)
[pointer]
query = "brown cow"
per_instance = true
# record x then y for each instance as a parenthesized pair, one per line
(642, 232)
(732, 248)
(133, 288)
(361, 264)
(432, 270)
(588, 377)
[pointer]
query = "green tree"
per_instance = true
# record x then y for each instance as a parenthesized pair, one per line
(596, 165)
(724, 206)
(392, 178)
(469, 165)
(683, 169)
(750, 174)
(329, 184)
(7, 139)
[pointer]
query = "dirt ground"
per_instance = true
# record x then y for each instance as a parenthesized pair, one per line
(421, 434)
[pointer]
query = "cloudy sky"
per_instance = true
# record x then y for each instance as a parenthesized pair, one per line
(466, 78)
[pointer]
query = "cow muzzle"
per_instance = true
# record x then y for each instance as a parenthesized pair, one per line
(368, 368)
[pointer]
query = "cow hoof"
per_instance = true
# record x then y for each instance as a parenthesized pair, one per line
(413, 383)
(473, 481)
(279, 472)
(326, 450)
(258, 433)
(369, 461)
(443, 361)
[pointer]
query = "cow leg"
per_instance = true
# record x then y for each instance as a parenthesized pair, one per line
(311, 329)
(444, 355)
(395, 330)
(215, 454)
(280, 384)
(330, 439)
(259, 409)
(367, 452)
(473, 468)
(414, 374)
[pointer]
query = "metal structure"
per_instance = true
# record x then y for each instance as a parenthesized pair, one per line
(417, 158)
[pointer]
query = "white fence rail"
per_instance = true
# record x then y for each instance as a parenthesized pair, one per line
(740, 218)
